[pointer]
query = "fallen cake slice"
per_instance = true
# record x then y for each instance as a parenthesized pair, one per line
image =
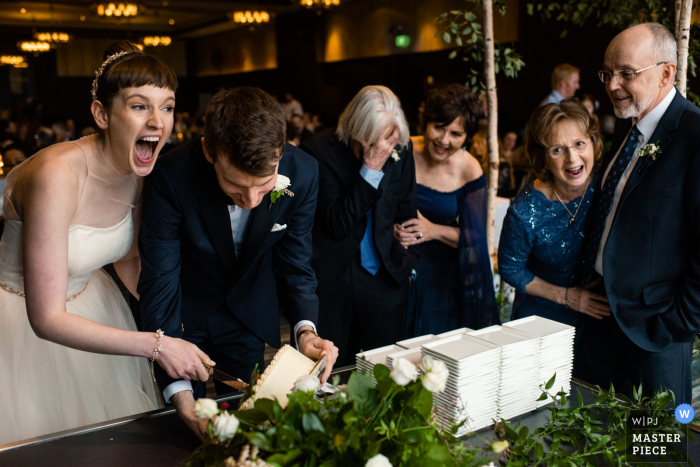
(279, 377)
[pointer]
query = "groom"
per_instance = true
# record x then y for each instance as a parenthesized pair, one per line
(219, 253)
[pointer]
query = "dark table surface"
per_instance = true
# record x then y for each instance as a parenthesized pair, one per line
(160, 438)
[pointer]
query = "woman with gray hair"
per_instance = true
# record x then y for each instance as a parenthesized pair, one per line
(367, 184)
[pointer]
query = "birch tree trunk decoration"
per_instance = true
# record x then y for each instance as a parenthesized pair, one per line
(679, 5)
(490, 79)
(682, 38)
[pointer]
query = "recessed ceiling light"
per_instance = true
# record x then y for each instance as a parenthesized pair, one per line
(22, 10)
(82, 17)
(171, 22)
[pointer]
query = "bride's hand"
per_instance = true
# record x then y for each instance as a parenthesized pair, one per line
(183, 360)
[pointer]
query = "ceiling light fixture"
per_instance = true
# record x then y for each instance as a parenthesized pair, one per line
(14, 60)
(55, 37)
(35, 47)
(117, 9)
(251, 17)
(319, 3)
(154, 41)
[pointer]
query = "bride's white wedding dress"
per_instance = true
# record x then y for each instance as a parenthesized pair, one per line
(46, 387)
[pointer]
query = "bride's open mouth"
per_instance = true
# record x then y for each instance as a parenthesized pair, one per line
(145, 149)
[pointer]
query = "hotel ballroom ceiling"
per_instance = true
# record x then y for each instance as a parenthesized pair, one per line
(182, 18)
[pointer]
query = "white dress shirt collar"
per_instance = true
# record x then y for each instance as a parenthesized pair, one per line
(648, 124)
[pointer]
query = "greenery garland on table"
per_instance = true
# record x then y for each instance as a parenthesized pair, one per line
(392, 423)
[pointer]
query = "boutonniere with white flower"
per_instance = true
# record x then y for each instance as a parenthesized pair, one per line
(395, 155)
(280, 188)
(651, 150)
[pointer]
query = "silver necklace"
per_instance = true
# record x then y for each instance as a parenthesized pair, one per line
(573, 216)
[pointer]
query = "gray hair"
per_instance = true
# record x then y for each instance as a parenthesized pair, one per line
(370, 111)
(664, 49)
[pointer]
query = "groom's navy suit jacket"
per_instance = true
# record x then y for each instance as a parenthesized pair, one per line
(651, 260)
(188, 262)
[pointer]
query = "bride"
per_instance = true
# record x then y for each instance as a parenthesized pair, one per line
(69, 351)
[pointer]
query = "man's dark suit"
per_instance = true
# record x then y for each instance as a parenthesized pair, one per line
(651, 263)
(360, 311)
(190, 276)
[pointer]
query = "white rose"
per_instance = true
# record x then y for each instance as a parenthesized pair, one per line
(225, 426)
(307, 383)
(491, 464)
(379, 460)
(403, 372)
(435, 374)
(205, 408)
(281, 183)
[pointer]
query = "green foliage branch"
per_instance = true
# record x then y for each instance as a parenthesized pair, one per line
(593, 434)
(463, 29)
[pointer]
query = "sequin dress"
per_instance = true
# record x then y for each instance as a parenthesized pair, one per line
(453, 286)
(538, 240)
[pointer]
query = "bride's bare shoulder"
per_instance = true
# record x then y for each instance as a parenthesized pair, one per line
(60, 160)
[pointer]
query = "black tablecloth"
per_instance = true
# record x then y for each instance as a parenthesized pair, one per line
(161, 439)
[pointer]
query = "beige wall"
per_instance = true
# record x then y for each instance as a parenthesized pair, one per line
(237, 51)
(352, 32)
(81, 57)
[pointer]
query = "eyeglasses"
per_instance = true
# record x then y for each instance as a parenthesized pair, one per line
(579, 148)
(623, 76)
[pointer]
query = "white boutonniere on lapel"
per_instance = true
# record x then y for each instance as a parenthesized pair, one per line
(281, 188)
(650, 150)
(395, 155)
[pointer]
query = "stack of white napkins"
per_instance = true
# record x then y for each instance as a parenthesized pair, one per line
(417, 342)
(365, 361)
(455, 332)
(556, 350)
(412, 355)
(472, 384)
(517, 389)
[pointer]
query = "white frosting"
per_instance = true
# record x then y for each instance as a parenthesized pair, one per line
(279, 377)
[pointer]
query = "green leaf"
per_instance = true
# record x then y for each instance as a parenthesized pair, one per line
(274, 196)
(467, 31)
(550, 383)
(621, 444)
(458, 41)
(530, 8)
(361, 391)
(259, 440)
(422, 402)
(542, 397)
(453, 54)
(438, 453)
(310, 422)
(446, 37)
(381, 372)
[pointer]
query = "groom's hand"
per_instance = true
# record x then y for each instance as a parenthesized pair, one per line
(315, 348)
(184, 404)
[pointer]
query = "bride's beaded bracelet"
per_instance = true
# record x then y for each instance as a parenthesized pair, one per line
(159, 336)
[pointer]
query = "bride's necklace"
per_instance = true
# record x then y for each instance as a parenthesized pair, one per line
(573, 216)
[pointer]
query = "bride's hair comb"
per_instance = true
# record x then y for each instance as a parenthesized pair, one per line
(106, 63)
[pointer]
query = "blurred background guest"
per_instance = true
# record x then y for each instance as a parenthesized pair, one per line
(367, 183)
(293, 133)
(565, 83)
(590, 103)
(541, 247)
(450, 290)
(517, 159)
(291, 106)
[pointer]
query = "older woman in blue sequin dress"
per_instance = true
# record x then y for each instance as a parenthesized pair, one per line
(541, 248)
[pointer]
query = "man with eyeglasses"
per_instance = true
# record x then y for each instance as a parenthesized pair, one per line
(643, 231)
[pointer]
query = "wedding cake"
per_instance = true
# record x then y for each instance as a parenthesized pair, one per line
(279, 377)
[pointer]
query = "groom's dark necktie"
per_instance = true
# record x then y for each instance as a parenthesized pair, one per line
(607, 196)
